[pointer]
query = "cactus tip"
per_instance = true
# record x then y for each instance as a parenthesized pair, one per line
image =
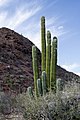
(55, 39)
(34, 48)
(43, 72)
(48, 34)
(48, 31)
(42, 17)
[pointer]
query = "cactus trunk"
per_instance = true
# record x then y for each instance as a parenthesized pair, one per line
(43, 44)
(53, 64)
(48, 57)
(35, 68)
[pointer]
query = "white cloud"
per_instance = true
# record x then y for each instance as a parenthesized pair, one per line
(77, 73)
(51, 21)
(57, 32)
(60, 27)
(22, 15)
(55, 26)
(3, 19)
(73, 68)
(4, 2)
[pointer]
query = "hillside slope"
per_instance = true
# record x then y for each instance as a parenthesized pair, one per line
(16, 62)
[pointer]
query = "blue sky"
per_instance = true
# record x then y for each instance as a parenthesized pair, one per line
(62, 19)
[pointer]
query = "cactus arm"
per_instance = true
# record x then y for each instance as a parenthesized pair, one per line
(30, 92)
(53, 64)
(35, 68)
(39, 87)
(43, 44)
(44, 86)
(48, 58)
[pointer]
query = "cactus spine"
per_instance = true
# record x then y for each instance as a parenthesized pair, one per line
(39, 87)
(44, 86)
(48, 57)
(53, 64)
(35, 68)
(43, 44)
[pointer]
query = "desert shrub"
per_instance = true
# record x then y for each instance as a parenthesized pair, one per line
(60, 106)
(9, 104)
(5, 103)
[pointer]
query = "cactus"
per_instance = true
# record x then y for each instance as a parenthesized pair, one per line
(59, 84)
(35, 68)
(48, 63)
(39, 87)
(44, 86)
(30, 92)
(53, 64)
(43, 44)
(48, 57)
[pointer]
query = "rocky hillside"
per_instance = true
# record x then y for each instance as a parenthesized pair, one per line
(16, 62)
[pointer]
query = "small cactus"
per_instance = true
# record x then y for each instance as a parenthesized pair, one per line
(30, 92)
(39, 87)
(44, 85)
(59, 84)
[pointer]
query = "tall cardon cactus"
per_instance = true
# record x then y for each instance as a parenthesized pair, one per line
(48, 58)
(35, 68)
(47, 81)
(43, 44)
(53, 64)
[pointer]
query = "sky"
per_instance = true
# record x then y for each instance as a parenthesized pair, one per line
(62, 19)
